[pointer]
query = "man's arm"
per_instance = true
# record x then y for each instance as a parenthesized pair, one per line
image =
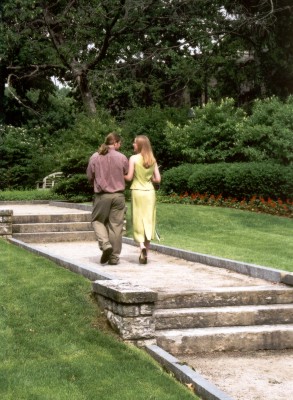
(90, 171)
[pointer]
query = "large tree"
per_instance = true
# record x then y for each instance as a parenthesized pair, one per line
(182, 44)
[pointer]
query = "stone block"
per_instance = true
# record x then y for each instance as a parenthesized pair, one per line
(146, 309)
(132, 328)
(124, 292)
(6, 222)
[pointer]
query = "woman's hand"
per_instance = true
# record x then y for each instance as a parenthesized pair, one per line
(156, 178)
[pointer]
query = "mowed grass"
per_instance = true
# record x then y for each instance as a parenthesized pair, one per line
(54, 343)
(245, 236)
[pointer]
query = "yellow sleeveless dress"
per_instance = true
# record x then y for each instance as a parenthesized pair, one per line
(143, 201)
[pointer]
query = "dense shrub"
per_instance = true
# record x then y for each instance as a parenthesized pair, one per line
(152, 122)
(24, 158)
(231, 179)
(267, 133)
(175, 180)
(260, 178)
(74, 188)
(211, 136)
(225, 133)
(208, 178)
(74, 150)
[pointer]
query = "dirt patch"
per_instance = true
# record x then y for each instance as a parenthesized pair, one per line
(260, 375)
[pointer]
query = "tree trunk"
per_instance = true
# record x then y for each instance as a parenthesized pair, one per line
(3, 76)
(86, 94)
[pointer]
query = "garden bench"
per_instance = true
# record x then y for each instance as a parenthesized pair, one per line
(49, 181)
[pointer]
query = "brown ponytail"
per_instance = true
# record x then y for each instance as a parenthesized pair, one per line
(111, 139)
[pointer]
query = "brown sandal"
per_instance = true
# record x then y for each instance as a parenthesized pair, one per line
(143, 259)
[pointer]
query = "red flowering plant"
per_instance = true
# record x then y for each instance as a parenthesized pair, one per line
(255, 203)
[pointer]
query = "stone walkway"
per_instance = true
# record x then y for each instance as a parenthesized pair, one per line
(242, 376)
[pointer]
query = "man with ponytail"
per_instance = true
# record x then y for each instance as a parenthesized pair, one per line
(105, 171)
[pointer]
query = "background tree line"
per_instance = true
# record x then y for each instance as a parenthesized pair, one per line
(137, 66)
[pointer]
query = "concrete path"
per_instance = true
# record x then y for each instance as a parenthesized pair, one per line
(242, 376)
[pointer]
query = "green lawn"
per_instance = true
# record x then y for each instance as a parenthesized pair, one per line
(246, 236)
(55, 344)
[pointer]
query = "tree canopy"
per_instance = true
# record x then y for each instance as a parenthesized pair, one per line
(121, 53)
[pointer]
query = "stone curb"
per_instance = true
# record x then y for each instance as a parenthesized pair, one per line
(183, 373)
(83, 207)
(28, 202)
(253, 270)
(87, 272)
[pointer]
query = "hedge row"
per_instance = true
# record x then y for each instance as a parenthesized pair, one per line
(265, 179)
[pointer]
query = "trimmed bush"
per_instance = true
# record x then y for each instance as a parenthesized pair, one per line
(231, 179)
(175, 180)
(260, 178)
(208, 178)
(75, 188)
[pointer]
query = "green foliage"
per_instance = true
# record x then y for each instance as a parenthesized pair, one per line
(210, 136)
(267, 134)
(29, 195)
(175, 180)
(75, 188)
(74, 149)
(23, 157)
(209, 178)
(226, 133)
(231, 179)
(260, 178)
(75, 145)
(152, 122)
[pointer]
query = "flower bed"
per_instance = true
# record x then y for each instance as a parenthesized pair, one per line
(255, 203)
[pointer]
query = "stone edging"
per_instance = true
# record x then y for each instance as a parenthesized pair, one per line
(84, 207)
(253, 270)
(184, 374)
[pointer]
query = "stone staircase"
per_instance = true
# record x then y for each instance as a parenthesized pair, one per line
(219, 319)
(53, 228)
(225, 319)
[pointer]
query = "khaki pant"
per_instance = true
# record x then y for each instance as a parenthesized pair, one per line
(107, 220)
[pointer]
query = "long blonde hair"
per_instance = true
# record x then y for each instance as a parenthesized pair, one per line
(111, 139)
(144, 147)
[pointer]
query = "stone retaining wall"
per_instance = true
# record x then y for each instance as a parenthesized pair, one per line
(6, 223)
(129, 309)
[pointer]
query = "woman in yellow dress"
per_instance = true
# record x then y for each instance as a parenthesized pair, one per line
(144, 171)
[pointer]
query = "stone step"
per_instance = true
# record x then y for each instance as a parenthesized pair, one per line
(85, 236)
(51, 227)
(202, 317)
(234, 338)
(54, 218)
(227, 296)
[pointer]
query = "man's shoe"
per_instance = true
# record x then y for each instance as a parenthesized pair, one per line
(106, 255)
(113, 261)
